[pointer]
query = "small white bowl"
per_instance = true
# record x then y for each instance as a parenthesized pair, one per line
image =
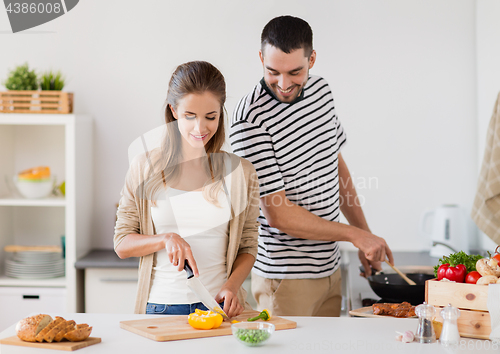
(34, 189)
(252, 333)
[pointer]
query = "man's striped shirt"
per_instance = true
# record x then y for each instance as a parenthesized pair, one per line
(294, 147)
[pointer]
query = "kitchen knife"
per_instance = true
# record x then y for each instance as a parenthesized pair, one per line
(199, 289)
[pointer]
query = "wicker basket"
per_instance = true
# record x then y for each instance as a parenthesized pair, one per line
(57, 102)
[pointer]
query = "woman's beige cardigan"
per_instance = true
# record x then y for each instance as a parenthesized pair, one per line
(133, 216)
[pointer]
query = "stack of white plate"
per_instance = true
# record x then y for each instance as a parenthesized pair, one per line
(35, 265)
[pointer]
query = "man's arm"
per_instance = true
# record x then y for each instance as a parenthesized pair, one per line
(352, 210)
(298, 222)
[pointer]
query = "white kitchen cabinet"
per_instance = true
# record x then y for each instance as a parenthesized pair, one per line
(19, 302)
(110, 290)
(113, 290)
(64, 143)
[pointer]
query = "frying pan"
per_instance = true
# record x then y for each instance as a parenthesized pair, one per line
(393, 288)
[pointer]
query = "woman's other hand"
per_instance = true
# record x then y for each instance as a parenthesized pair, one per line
(232, 306)
(179, 250)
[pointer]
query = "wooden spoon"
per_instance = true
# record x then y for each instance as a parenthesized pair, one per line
(408, 280)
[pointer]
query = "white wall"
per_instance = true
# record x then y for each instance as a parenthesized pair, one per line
(488, 74)
(402, 73)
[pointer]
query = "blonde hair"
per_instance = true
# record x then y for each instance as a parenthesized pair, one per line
(194, 77)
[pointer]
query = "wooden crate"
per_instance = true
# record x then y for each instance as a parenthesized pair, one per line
(471, 299)
(57, 102)
(461, 295)
(471, 323)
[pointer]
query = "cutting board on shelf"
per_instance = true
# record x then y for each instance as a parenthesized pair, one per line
(169, 328)
(70, 346)
(17, 248)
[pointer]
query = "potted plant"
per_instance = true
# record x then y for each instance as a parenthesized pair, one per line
(50, 81)
(23, 95)
(21, 79)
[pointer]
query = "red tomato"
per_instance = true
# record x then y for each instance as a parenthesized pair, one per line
(497, 257)
(472, 277)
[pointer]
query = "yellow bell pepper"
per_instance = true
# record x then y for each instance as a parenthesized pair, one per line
(204, 319)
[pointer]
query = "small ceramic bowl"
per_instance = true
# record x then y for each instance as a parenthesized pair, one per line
(35, 189)
(252, 333)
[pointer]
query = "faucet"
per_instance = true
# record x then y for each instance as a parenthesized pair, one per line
(434, 243)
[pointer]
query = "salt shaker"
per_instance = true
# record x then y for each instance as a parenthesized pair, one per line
(449, 335)
(425, 331)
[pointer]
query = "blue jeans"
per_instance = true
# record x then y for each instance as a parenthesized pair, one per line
(182, 309)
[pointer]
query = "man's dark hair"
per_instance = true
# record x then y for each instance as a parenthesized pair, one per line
(287, 33)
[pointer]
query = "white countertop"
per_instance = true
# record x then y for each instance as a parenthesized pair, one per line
(312, 335)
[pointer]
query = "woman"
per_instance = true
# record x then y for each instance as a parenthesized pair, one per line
(189, 200)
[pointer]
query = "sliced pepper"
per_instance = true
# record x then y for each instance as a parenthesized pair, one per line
(264, 315)
(204, 319)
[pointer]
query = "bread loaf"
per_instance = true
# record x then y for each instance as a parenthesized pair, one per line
(78, 335)
(70, 325)
(49, 337)
(27, 329)
(43, 328)
(41, 336)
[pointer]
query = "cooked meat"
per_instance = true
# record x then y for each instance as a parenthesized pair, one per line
(403, 309)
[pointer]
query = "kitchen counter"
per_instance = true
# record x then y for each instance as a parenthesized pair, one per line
(312, 335)
(104, 258)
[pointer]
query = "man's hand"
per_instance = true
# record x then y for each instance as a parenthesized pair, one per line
(368, 265)
(372, 251)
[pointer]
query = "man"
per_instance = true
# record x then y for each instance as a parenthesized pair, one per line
(288, 129)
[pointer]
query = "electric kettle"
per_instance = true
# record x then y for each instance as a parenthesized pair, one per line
(449, 230)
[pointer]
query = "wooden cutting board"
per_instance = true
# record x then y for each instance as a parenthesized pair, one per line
(17, 248)
(168, 328)
(14, 340)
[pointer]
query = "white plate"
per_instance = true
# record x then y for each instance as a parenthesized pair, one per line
(45, 264)
(34, 276)
(34, 270)
(37, 256)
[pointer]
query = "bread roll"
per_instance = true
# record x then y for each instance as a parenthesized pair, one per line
(27, 329)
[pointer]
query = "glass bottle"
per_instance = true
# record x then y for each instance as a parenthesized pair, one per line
(425, 331)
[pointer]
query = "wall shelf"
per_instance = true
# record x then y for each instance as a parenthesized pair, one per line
(49, 202)
(44, 283)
